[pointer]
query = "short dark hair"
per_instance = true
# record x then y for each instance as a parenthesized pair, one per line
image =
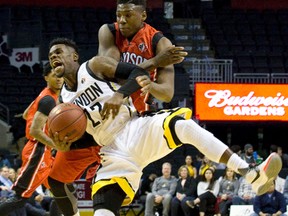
(47, 69)
(273, 148)
(66, 41)
(136, 2)
(235, 148)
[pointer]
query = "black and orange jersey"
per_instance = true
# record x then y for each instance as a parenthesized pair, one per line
(135, 51)
(35, 107)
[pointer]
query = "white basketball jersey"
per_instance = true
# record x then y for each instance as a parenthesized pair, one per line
(90, 95)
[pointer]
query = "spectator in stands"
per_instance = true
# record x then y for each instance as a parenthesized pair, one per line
(146, 186)
(163, 190)
(206, 163)
(4, 161)
(45, 199)
(270, 203)
(220, 166)
(185, 190)
(6, 192)
(207, 190)
(5, 183)
(228, 188)
(283, 156)
(16, 161)
(198, 162)
(248, 154)
(34, 205)
(12, 174)
(245, 194)
(191, 168)
(279, 184)
(285, 190)
(236, 149)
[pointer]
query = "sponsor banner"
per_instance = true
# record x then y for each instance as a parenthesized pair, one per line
(27, 56)
(244, 102)
(83, 191)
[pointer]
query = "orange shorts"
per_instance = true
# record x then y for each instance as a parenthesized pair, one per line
(70, 166)
(37, 161)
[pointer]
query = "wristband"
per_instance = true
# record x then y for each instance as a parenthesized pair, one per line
(132, 85)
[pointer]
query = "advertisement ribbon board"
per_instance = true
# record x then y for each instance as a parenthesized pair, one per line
(241, 102)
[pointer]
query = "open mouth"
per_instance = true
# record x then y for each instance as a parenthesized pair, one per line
(56, 64)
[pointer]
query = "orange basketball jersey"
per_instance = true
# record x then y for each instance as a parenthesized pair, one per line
(33, 109)
(135, 51)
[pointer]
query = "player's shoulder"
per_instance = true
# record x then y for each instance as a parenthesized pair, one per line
(108, 27)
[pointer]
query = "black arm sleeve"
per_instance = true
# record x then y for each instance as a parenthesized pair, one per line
(46, 104)
(129, 72)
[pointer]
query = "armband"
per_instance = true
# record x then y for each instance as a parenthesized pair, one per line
(132, 85)
(124, 70)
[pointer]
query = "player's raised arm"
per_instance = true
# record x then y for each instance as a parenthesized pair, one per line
(107, 46)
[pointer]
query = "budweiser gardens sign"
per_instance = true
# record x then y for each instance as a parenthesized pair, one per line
(247, 102)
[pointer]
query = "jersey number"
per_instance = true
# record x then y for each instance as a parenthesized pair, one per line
(97, 104)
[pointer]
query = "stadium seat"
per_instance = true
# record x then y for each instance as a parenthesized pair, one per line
(65, 25)
(260, 62)
(63, 14)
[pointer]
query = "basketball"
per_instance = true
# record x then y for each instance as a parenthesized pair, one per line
(68, 120)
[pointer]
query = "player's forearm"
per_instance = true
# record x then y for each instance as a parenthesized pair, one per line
(149, 64)
(162, 92)
(41, 137)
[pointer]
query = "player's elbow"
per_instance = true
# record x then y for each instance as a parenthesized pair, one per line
(34, 132)
(167, 97)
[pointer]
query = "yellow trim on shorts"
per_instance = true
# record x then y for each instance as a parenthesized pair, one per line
(122, 182)
(186, 113)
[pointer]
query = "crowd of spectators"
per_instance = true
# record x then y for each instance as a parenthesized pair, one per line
(211, 189)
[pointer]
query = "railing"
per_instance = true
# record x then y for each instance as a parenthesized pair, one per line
(251, 78)
(220, 70)
(4, 113)
(211, 70)
(279, 78)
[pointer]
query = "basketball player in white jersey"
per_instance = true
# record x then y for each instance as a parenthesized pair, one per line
(129, 143)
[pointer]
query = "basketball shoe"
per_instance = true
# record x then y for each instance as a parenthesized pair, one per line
(262, 176)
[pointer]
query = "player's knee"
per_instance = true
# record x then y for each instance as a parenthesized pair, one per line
(100, 205)
(59, 188)
(103, 212)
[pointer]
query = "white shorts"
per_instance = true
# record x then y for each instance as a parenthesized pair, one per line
(139, 143)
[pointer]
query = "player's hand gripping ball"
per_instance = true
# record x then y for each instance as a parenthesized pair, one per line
(67, 119)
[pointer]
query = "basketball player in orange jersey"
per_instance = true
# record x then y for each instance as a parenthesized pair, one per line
(132, 40)
(37, 158)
